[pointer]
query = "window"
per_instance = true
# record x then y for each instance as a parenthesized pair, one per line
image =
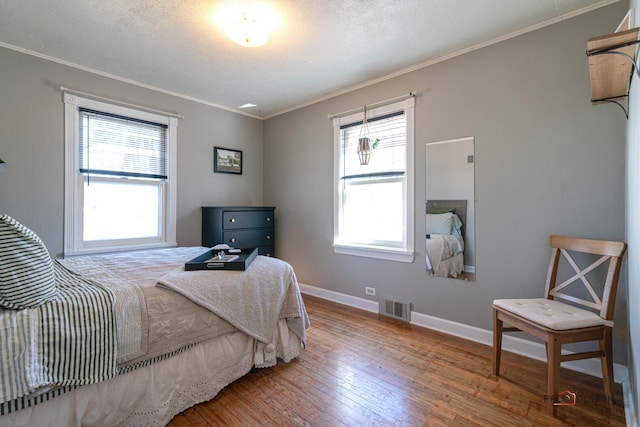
(374, 202)
(119, 179)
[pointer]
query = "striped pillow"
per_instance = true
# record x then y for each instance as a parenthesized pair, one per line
(27, 278)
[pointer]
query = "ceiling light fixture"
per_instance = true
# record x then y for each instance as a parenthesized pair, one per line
(248, 23)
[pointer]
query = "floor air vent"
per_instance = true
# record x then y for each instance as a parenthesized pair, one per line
(395, 309)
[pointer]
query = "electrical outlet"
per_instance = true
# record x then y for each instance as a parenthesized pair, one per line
(370, 291)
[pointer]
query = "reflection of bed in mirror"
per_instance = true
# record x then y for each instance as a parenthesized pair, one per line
(445, 237)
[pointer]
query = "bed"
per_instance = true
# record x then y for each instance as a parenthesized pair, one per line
(131, 338)
(444, 240)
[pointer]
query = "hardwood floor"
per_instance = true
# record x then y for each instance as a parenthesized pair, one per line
(362, 369)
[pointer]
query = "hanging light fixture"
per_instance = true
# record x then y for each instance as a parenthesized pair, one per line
(364, 142)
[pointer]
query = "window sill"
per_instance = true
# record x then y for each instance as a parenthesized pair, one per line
(389, 254)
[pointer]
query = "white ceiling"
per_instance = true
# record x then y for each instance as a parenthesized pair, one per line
(321, 48)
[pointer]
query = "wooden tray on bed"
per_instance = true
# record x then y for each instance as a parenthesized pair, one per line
(206, 261)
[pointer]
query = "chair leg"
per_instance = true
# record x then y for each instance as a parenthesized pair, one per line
(554, 349)
(606, 346)
(497, 342)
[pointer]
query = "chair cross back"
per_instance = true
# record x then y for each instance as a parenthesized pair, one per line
(610, 251)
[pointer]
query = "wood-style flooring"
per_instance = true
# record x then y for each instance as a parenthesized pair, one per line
(362, 369)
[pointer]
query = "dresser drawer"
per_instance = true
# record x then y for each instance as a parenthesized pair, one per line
(246, 219)
(248, 238)
(266, 250)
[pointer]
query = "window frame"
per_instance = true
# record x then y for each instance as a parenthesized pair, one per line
(74, 180)
(391, 253)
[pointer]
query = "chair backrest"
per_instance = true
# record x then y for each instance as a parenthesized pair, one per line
(610, 252)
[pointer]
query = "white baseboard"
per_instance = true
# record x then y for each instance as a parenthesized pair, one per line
(509, 343)
(361, 303)
(630, 416)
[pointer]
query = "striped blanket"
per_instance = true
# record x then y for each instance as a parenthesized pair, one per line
(69, 341)
(131, 321)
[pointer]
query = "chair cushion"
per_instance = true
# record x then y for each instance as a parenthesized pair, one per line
(552, 314)
(27, 277)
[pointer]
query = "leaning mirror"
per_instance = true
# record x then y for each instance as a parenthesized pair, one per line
(450, 209)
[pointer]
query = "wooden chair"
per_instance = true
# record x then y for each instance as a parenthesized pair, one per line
(558, 323)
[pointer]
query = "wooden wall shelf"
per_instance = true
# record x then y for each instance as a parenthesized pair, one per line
(612, 60)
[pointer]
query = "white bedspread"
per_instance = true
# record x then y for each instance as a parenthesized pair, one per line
(444, 255)
(435, 249)
(269, 282)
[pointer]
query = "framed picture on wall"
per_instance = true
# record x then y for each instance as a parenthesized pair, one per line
(226, 160)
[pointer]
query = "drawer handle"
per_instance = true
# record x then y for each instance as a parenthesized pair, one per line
(268, 237)
(232, 220)
(232, 240)
(268, 219)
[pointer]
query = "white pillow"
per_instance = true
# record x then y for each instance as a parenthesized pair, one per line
(441, 223)
(27, 278)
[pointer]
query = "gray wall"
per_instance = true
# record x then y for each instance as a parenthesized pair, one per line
(633, 233)
(31, 142)
(547, 162)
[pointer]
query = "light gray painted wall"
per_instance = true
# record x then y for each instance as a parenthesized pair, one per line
(31, 142)
(547, 162)
(633, 233)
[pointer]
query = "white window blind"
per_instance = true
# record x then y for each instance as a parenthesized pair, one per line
(121, 146)
(389, 158)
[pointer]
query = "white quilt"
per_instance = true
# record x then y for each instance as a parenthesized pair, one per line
(444, 255)
(252, 300)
